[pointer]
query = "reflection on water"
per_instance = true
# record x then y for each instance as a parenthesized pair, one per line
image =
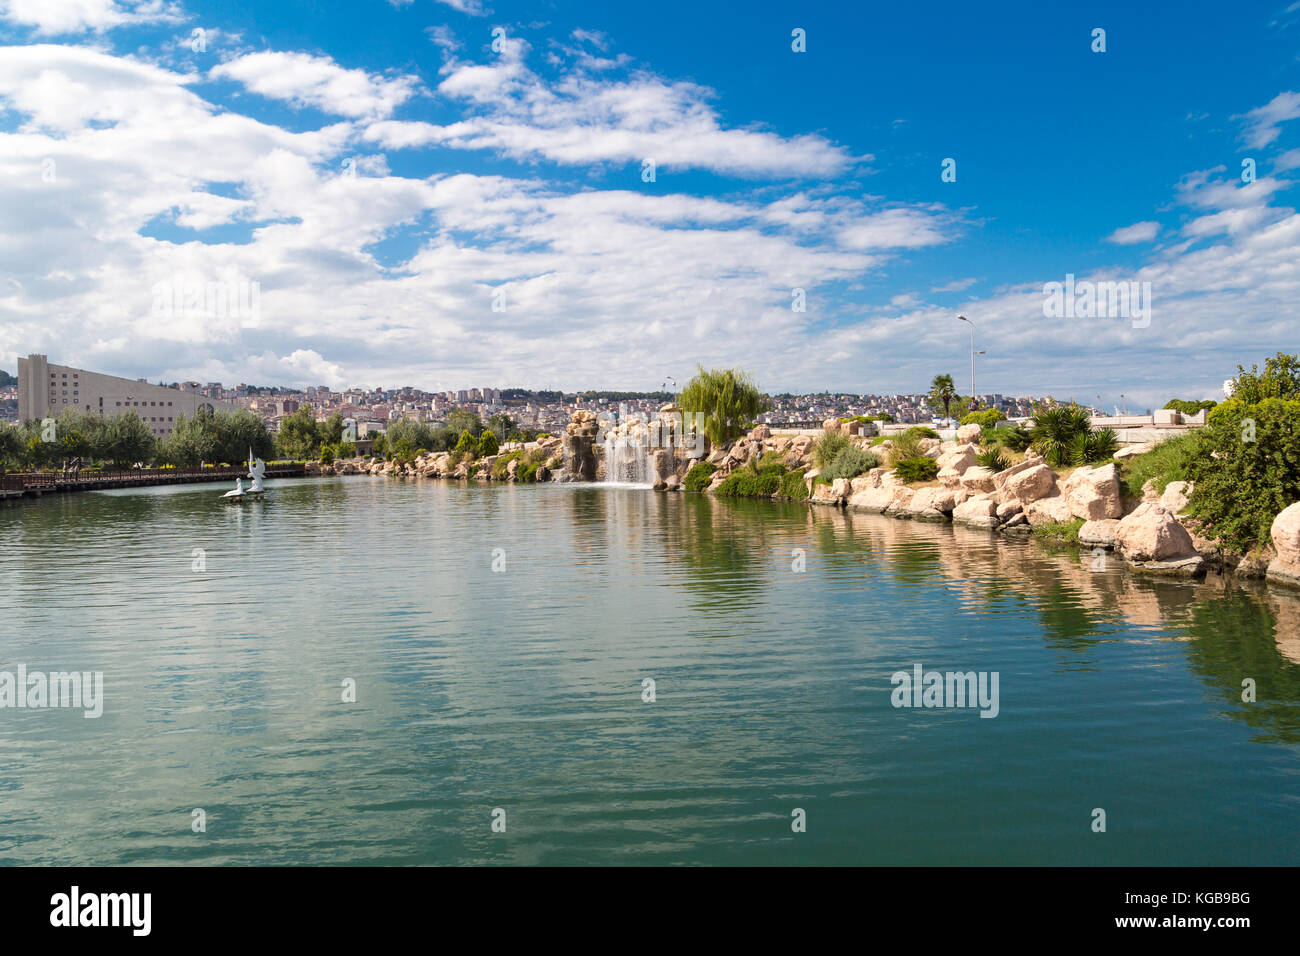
(522, 688)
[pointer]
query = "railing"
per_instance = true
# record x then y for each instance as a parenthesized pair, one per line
(48, 478)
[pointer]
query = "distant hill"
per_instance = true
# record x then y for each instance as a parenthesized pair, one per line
(6, 379)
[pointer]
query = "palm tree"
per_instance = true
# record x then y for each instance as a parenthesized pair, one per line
(943, 393)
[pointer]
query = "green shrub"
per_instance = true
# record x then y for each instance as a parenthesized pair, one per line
(467, 443)
(1246, 468)
(327, 455)
(827, 447)
(922, 431)
(1016, 438)
(1057, 432)
(1101, 445)
(993, 459)
(793, 486)
(906, 445)
(740, 483)
(487, 443)
(1187, 407)
(768, 483)
(503, 462)
(988, 418)
(699, 477)
(916, 469)
(849, 463)
(1166, 462)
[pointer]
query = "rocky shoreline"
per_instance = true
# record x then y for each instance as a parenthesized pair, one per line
(1151, 535)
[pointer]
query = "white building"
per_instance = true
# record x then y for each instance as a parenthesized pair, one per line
(46, 391)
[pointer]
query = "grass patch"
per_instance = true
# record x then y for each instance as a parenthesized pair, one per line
(1168, 461)
(1067, 531)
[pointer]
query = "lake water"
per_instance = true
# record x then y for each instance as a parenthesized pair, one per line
(522, 689)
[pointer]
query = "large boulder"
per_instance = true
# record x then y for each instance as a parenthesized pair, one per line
(924, 504)
(1005, 475)
(902, 499)
(977, 480)
(958, 458)
(1152, 534)
(836, 493)
(1099, 533)
(875, 499)
(1286, 539)
(760, 432)
(980, 512)
(1094, 493)
(1132, 451)
(1175, 496)
(1029, 484)
(969, 433)
(870, 480)
(1053, 509)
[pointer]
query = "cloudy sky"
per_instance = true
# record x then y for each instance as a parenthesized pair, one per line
(449, 193)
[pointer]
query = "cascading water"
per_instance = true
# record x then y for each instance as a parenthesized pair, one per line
(627, 459)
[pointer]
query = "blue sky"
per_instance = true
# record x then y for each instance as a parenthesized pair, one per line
(417, 206)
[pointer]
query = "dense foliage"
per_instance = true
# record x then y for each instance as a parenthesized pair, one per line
(225, 437)
(916, 469)
(727, 399)
(988, 418)
(827, 446)
(699, 477)
(1188, 407)
(1246, 468)
(849, 463)
(1064, 437)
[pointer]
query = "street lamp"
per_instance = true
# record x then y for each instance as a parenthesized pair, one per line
(962, 318)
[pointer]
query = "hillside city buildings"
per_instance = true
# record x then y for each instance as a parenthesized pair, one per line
(47, 389)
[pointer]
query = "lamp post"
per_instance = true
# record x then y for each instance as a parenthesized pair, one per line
(962, 318)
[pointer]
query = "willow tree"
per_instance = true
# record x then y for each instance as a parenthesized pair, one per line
(727, 399)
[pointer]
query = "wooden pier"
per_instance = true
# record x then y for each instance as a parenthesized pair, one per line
(36, 484)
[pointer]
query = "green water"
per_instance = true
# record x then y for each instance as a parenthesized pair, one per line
(521, 689)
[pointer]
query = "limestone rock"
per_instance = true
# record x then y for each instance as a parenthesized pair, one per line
(1031, 484)
(1094, 493)
(980, 512)
(1053, 508)
(1176, 496)
(875, 499)
(977, 479)
(1130, 451)
(1099, 533)
(969, 433)
(1152, 534)
(1286, 539)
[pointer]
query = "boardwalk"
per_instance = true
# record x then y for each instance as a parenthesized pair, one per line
(44, 483)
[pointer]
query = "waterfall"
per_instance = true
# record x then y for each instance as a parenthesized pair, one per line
(627, 459)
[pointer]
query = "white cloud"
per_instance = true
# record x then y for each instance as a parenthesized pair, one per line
(584, 119)
(473, 8)
(304, 80)
(52, 17)
(1264, 121)
(1138, 232)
